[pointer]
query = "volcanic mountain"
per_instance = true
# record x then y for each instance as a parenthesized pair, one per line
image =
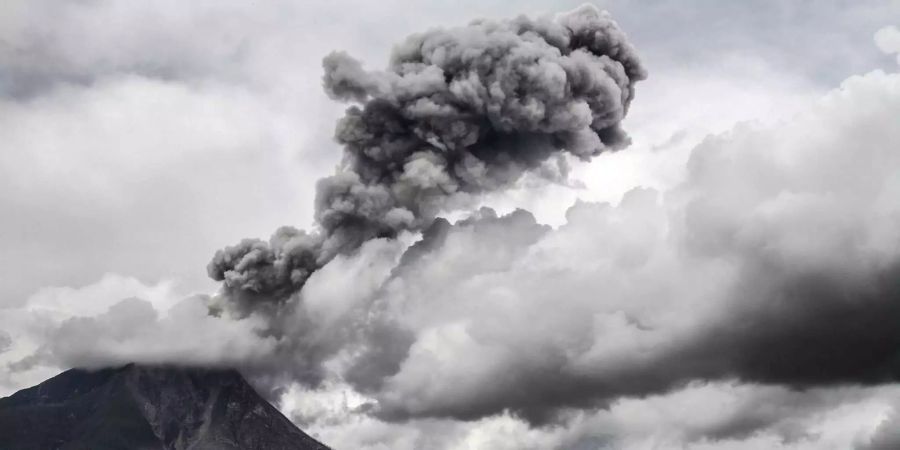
(146, 407)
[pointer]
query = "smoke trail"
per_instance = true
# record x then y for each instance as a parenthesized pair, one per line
(459, 111)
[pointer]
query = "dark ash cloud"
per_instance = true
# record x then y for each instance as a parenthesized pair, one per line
(458, 112)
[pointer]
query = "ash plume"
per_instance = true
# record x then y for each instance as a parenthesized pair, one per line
(458, 112)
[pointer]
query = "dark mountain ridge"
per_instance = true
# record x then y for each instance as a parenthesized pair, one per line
(146, 407)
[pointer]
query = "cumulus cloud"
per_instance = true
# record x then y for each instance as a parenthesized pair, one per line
(720, 278)
(774, 262)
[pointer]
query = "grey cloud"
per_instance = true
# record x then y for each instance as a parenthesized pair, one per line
(811, 329)
(5, 341)
(268, 270)
(825, 44)
(345, 78)
(39, 53)
(459, 111)
(886, 436)
(780, 411)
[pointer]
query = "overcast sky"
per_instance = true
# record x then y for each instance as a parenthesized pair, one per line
(137, 139)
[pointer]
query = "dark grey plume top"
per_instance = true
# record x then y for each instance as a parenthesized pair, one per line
(459, 111)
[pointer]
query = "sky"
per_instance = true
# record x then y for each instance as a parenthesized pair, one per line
(725, 280)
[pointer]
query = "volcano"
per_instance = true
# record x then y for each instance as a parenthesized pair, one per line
(146, 407)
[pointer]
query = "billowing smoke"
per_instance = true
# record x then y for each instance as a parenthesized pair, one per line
(458, 112)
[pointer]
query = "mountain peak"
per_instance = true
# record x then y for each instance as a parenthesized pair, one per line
(146, 407)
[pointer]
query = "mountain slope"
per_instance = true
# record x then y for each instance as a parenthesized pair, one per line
(146, 407)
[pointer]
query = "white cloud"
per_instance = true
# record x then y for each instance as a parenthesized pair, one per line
(115, 321)
(888, 40)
